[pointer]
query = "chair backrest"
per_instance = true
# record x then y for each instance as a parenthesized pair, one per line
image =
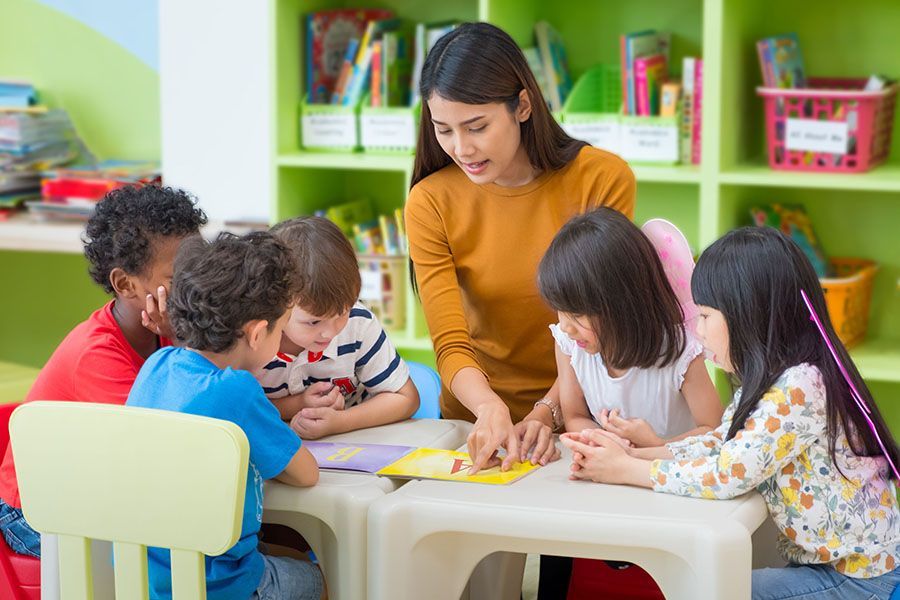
(137, 477)
(428, 382)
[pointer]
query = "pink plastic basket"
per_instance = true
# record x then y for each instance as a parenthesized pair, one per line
(869, 117)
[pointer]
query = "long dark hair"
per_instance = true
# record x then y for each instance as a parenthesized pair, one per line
(478, 63)
(602, 266)
(753, 276)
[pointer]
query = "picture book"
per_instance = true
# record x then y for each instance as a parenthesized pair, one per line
(533, 56)
(364, 458)
(554, 62)
(327, 34)
(451, 465)
(795, 223)
(346, 71)
(396, 67)
(649, 74)
(350, 213)
(633, 46)
(405, 462)
(669, 97)
(781, 61)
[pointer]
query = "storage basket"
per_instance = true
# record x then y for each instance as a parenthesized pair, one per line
(384, 288)
(848, 296)
(388, 129)
(833, 126)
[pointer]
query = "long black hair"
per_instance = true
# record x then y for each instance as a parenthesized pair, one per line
(753, 276)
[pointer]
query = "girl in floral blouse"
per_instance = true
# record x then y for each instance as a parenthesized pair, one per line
(793, 432)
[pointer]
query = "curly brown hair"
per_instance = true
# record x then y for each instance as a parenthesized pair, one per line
(220, 286)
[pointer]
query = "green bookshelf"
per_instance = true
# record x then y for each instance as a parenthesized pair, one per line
(855, 215)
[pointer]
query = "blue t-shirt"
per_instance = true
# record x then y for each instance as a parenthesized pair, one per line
(184, 381)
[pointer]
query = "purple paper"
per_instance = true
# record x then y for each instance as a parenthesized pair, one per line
(346, 456)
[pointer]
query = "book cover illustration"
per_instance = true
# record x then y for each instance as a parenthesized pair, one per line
(451, 465)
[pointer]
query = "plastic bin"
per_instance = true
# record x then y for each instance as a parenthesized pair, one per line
(848, 297)
(384, 288)
(834, 126)
(329, 127)
(388, 129)
(592, 113)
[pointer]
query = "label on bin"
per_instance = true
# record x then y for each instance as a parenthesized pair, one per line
(394, 131)
(329, 130)
(816, 136)
(371, 286)
(650, 143)
(600, 134)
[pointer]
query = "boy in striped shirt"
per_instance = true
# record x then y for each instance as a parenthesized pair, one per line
(336, 369)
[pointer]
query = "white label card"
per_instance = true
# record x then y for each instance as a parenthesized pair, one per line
(816, 136)
(329, 130)
(388, 131)
(600, 134)
(371, 285)
(651, 143)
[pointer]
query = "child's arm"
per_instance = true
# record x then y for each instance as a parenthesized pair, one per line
(702, 398)
(301, 471)
(386, 407)
(576, 414)
(321, 393)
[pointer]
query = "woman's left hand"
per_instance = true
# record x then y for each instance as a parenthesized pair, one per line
(536, 442)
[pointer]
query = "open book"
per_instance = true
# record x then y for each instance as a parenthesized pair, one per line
(406, 462)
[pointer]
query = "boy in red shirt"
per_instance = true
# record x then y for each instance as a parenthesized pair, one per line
(130, 243)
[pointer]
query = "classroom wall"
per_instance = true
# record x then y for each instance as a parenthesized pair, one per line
(97, 59)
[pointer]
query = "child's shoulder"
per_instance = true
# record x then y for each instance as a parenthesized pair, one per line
(800, 384)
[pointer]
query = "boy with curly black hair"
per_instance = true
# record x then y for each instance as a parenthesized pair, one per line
(230, 301)
(130, 243)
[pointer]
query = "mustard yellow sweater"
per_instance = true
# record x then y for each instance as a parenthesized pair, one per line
(476, 250)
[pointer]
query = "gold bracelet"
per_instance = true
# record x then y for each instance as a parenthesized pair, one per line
(555, 413)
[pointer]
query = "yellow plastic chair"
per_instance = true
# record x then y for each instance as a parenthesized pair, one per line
(136, 477)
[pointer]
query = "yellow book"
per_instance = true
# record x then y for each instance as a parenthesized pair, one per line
(450, 465)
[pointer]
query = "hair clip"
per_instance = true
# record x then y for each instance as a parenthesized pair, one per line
(866, 411)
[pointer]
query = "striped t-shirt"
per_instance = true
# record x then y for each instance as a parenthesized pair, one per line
(360, 360)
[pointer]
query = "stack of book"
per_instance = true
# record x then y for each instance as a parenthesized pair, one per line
(351, 52)
(17, 94)
(31, 141)
(72, 193)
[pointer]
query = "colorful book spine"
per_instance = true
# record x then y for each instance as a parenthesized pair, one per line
(670, 94)
(765, 63)
(649, 71)
(375, 87)
(696, 124)
(346, 72)
(687, 108)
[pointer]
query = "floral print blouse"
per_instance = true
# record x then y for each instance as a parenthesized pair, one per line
(782, 452)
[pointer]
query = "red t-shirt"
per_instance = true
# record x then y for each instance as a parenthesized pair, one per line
(94, 363)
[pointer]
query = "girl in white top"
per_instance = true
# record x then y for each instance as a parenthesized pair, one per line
(623, 357)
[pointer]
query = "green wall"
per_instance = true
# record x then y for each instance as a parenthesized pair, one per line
(113, 99)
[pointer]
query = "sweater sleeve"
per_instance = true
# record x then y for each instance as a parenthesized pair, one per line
(429, 250)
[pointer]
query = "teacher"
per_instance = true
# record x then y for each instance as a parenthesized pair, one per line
(494, 179)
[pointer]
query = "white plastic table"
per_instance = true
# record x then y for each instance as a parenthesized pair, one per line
(425, 538)
(332, 515)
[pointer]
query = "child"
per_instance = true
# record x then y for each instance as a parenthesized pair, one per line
(623, 357)
(793, 431)
(336, 370)
(229, 303)
(130, 244)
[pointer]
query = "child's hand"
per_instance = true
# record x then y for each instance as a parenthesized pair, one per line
(596, 456)
(155, 317)
(323, 394)
(314, 423)
(585, 437)
(637, 431)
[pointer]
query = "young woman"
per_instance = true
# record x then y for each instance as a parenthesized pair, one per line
(495, 177)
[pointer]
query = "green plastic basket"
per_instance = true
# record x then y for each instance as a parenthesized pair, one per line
(329, 127)
(598, 91)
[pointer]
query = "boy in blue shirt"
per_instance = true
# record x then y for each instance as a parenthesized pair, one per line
(229, 303)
